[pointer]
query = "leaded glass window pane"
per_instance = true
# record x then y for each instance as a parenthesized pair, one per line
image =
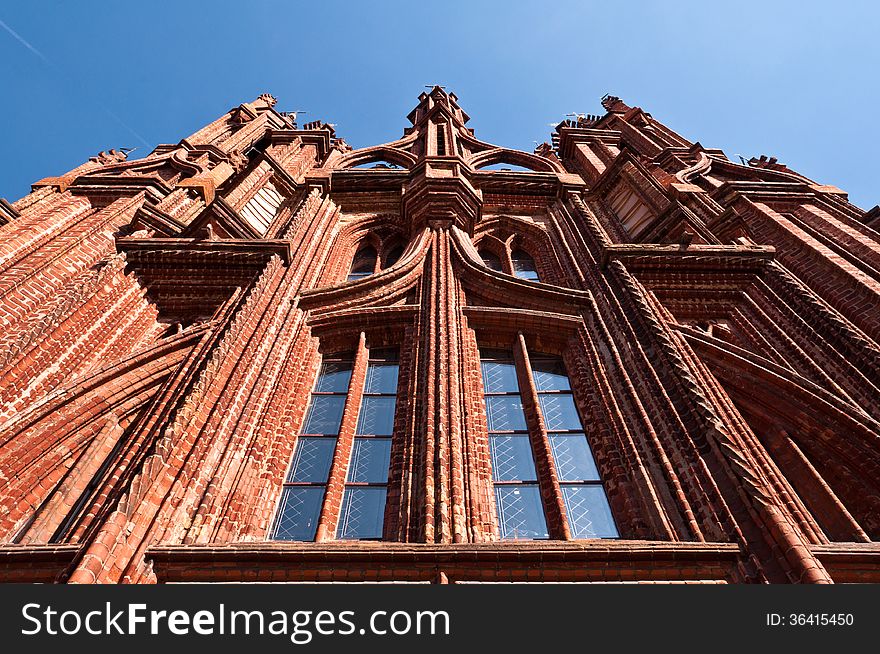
(377, 416)
(369, 460)
(512, 458)
(363, 512)
(491, 260)
(312, 460)
(519, 504)
(524, 265)
(589, 515)
(325, 414)
(334, 377)
(520, 512)
(573, 459)
(499, 377)
(381, 378)
(505, 413)
(298, 516)
(559, 412)
(550, 375)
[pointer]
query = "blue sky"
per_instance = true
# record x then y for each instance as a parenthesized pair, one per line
(795, 80)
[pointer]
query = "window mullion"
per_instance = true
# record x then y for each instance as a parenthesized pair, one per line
(507, 261)
(548, 481)
(339, 468)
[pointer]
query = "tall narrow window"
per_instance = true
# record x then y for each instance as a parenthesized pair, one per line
(491, 260)
(586, 505)
(518, 499)
(523, 265)
(441, 139)
(363, 501)
(517, 496)
(364, 263)
(306, 481)
(393, 256)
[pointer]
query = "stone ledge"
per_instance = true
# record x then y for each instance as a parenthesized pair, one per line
(850, 562)
(35, 563)
(599, 560)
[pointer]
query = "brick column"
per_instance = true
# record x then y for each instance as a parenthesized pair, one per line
(440, 414)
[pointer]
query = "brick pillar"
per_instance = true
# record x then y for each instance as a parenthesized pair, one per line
(440, 414)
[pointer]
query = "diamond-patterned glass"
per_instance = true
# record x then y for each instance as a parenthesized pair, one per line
(312, 460)
(520, 513)
(559, 412)
(325, 414)
(589, 515)
(550, 375)
(573, 459)
(377, 416)
(369, 460)
(512, 458)
(334, 377)
(381, 378)
(505, 413)
(363, 513)
(298, 516)
(499, 377)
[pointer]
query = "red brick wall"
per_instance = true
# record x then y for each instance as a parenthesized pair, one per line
(729, 384)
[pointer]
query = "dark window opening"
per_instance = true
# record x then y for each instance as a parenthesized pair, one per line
(492, 260)
(393, 256)
(364, 263)
(441, 140)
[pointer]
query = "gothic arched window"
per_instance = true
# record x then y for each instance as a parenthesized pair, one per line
(393, 256)
(518, 263)
(523, 265)
(551, 431)
(492, 260)
(364, 263)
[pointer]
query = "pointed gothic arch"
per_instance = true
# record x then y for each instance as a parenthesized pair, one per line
(525, 160)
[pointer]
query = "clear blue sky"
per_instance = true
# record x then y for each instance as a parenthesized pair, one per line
(795, 80)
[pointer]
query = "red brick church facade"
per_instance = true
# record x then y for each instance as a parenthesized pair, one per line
(260, 355)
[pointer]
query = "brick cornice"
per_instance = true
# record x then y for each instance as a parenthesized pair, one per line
(35, 563)
(518, 561)
(675, 258)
